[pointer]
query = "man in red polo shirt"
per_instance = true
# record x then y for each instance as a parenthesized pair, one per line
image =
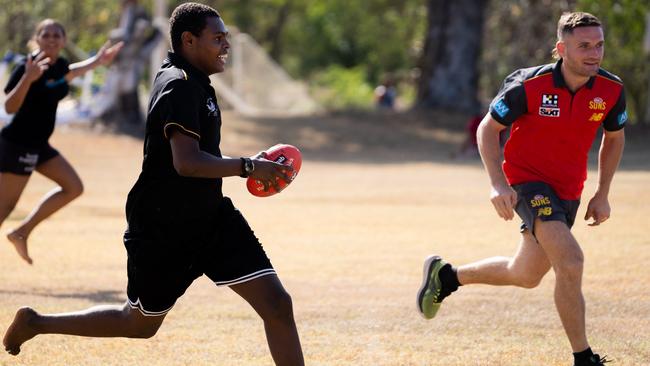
(555, 111)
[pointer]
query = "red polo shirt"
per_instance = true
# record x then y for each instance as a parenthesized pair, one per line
(553, 128)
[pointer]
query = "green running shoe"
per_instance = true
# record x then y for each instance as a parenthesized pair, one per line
(429, 296)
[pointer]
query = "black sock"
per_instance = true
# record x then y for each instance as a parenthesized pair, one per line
(581, 358)
(449, 278)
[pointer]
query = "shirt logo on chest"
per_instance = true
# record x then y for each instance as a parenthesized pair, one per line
(598, 104)
(549, 100)
(596, 117)
(549, 106)
(212, 107)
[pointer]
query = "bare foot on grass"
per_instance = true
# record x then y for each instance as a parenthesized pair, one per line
(20, 330)
(20, 243)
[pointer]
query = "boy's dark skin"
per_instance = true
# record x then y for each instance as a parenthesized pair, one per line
(265, 294)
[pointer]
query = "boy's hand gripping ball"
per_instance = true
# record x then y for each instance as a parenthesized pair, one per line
(282, 154)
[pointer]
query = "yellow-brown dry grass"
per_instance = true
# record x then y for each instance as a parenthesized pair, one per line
(375, 197)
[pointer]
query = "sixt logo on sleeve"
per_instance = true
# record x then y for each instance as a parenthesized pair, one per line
(622, 118)
(501, 108)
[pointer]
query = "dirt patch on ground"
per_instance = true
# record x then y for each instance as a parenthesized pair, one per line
(375, 196)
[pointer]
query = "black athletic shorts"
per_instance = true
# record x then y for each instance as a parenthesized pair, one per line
(18, 159)
(164, 260)
(538, 200)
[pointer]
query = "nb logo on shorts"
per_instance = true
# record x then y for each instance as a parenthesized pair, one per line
(545, 211)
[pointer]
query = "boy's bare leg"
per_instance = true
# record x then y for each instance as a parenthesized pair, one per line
(98, 321)
(270, 300)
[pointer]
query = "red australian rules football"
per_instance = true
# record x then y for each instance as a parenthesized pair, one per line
(283, 154)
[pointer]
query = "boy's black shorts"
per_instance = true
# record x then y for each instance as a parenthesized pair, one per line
(166, 257)
(18, 159)
(538, 200)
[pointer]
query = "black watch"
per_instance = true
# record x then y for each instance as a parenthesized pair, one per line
(247, 167)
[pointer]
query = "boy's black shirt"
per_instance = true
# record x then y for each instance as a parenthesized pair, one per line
(182, 100)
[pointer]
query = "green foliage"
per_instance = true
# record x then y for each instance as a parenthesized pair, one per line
(336, 43)
(87, 22)
(337, 87)
(373, 38)
(624, 25)
(379, 35)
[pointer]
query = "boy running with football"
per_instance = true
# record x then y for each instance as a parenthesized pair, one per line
(180, 226)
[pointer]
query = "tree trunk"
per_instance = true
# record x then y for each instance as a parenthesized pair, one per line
(120, 102)
(274, 34)
(449, 64)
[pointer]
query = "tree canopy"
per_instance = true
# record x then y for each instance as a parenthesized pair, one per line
(336, 45)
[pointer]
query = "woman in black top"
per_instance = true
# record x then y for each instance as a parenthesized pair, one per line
(34, 90)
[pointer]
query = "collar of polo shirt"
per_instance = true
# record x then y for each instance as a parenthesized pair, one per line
(558, 78)
(179, 61)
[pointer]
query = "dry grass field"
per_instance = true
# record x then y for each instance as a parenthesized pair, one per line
(376, 195)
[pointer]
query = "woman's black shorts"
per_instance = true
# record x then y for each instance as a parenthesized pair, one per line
(18, 159)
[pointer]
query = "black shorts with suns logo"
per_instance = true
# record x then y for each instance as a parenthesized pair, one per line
(538, 200)
(18, 159)
(169, 247)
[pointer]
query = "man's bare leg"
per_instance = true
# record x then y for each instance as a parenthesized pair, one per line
(525, 269)
(98, 321)
(270, 300)
(567, 259)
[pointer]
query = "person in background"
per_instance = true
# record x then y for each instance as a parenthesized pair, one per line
(386, 94)
(34, 90)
